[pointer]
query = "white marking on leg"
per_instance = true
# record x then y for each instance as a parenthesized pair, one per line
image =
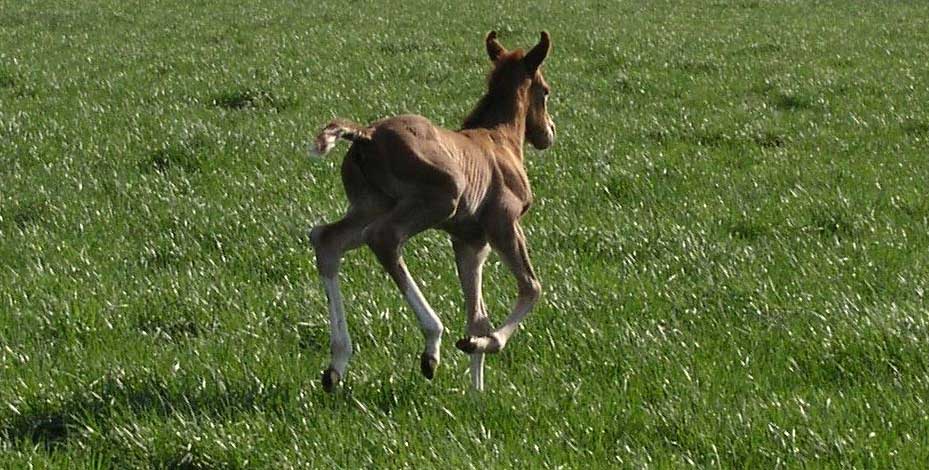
(428, 320)
(340, 343)
(495, 341)
(477, 371)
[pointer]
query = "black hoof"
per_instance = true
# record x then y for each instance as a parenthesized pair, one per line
(428, 365)
(466, 345)
(330, 379)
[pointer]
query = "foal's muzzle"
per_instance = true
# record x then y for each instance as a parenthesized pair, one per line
(544, 140)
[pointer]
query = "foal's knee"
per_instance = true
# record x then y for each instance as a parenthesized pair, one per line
(327, 259)
(531, 290)
(384, 241)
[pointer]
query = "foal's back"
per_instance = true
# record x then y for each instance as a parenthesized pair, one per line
(409, 154)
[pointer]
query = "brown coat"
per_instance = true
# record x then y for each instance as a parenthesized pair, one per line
(403, 175)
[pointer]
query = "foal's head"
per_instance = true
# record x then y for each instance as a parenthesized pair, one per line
(521, 73)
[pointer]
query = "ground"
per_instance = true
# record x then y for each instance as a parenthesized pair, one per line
(731, 231)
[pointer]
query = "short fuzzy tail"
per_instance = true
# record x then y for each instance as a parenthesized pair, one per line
(335, 130)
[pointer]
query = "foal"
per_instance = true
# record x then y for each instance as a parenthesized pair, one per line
(403, 175)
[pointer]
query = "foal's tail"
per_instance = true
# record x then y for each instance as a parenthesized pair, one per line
(339, 129)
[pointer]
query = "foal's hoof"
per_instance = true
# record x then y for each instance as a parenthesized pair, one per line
(330, 379)
(467, 345)
(428, 365)
(479, 344)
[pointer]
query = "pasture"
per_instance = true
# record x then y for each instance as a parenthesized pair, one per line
(732, 233)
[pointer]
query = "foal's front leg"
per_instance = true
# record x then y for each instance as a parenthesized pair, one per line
(510, 244)
(469, 258)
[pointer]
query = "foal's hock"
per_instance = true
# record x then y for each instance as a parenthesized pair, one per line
(403, 175)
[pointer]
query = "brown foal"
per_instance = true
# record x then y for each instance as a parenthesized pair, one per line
(403, 175)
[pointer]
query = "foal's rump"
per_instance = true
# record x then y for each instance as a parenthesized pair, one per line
(408, 154)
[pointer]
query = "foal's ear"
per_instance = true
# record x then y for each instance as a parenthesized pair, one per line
(538, 53)
(494, 48)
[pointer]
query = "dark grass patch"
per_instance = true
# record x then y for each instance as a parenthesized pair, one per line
(398, 48)
(623, 84)
(30, 214)
(761, 49)
(173, 329)
(697, 67)
(185, 156)
(715, 136)
(388, 396)
(700, 137)
(877, 357)
(738, 4)
(7, 80)
(769, 140)
(177, 317)
(915, 209)
(249, 98)
(647, 182)
(189, 456)
(788, 101)
(840, 61)
(15, 85)
(161, 257)
(312, 337)
(830, 222)
(659, 136)
(48, 429)
(273, 271)
(709, 138)
(915, 128)
(212, 242)
(588, 243)
(747, 230)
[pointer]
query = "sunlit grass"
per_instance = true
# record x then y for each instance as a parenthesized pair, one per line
(731, 230)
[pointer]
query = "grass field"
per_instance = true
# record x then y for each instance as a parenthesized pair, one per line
(732, 231)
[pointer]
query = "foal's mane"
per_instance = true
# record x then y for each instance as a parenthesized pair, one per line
(501, 103)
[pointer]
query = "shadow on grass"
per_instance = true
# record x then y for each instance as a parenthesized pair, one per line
(52, 424)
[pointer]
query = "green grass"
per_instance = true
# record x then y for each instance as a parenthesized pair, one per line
(732, 232)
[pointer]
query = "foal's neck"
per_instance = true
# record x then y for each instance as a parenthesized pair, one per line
(503, 112)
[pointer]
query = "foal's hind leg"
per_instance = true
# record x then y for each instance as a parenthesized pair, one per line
(386, 237)
(330, 242)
